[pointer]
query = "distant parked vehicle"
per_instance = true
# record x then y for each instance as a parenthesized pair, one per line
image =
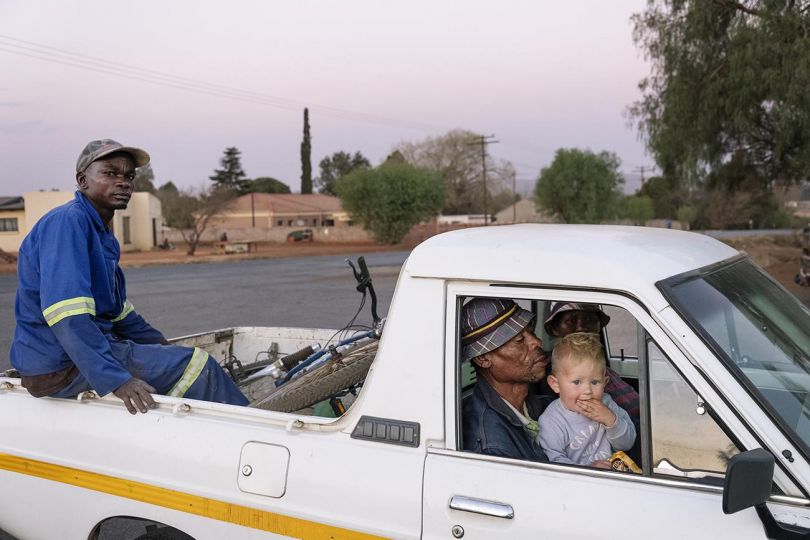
(304, 235)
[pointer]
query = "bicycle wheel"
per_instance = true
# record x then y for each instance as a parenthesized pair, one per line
(328, 379)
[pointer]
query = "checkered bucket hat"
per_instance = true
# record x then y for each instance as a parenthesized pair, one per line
(488, 323)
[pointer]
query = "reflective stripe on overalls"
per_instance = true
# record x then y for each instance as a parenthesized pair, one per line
(67, 308)
(192, 371)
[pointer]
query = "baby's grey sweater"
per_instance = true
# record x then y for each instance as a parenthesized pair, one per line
(570, 437)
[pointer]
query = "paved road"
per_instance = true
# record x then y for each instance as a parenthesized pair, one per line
(184, 299)
(748, 233)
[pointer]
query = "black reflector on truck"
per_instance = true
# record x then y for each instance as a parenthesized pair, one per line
(387, 431)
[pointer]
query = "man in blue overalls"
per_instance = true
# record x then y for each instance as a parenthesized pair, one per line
(76, 330)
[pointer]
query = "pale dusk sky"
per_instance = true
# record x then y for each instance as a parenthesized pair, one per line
(185, 79)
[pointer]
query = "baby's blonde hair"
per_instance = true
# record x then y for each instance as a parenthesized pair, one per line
(575, 348)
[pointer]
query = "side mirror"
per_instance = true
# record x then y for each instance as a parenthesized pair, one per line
(749, 478)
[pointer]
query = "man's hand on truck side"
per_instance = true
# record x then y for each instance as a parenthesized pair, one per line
(136, 395)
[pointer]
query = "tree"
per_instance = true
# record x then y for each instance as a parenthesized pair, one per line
(190, 211)
(580, 186)
(336, 166)
(666, 196)
(637, 208)
(264, 184)
(456, 155)
(230, 176)
(168, 187)
(144, 179)
(727, 77)
(735, 195)
(306, 157)
(176, 206)
(686, 214)
(391, 198)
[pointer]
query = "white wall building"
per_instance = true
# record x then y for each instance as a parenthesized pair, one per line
(138, 228)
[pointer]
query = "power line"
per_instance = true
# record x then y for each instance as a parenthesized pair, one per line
(72, 59)
(55, 55)
(69, 58)
(528, 146)
(641, 170)
(108, 66)
(526, 165)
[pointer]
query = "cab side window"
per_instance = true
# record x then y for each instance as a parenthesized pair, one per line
(686, 441)
(621, 333)
(621, 343)
(681, 439)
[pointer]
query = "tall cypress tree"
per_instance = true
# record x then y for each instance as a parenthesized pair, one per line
(306, 157)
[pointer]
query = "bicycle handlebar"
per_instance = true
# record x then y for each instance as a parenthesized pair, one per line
(291, 360)
(364, 284)
(361, 262)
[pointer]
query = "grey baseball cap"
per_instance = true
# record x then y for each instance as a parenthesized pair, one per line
(103, 147)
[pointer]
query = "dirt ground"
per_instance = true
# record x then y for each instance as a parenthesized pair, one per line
(780, 256)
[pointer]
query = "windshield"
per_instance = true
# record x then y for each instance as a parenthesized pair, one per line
(760, 330)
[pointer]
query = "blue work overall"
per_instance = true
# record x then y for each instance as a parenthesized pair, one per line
(72, 309)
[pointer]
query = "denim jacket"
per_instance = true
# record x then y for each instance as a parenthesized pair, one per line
(490, 426)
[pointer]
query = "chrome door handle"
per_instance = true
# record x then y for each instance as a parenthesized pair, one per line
(479, 506)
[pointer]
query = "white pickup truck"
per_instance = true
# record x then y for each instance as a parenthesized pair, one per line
(719, 352)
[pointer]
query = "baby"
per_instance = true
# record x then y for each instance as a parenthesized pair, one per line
(584, 424)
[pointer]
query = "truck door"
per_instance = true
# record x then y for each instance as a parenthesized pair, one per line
(687, 436)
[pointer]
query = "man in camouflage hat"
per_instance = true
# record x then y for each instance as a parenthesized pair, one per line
(76, 330)
(569, 317)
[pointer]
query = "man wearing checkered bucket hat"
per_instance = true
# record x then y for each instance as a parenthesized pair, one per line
(500, 417)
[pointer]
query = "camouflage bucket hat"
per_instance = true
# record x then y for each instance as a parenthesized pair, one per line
(562, 307)
(104, 147)
(488, 323)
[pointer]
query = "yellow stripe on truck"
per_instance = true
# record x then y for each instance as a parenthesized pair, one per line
(177, 500)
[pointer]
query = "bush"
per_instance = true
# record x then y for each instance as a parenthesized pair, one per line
(580, 186)
(391, 198)
(637, 208)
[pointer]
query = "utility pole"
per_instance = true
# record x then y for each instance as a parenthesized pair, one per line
(641, 170)
(514, 197)
(484, 140)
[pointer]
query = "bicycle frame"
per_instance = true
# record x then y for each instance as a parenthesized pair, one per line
(326, 354)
